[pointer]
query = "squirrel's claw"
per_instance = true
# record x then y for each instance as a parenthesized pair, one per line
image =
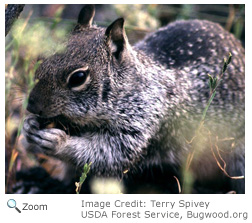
(48, 140)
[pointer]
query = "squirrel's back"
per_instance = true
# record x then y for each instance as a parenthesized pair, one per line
(196, 49)
(192, 43)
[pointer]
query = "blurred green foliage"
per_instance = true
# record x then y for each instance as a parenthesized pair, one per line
(141, 16)
(28, 41)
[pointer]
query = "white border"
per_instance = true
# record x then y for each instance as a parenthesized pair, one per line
(68, 207)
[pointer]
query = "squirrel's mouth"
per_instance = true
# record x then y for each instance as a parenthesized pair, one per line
(59, 122)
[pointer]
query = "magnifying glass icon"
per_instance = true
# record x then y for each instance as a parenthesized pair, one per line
(12, 204)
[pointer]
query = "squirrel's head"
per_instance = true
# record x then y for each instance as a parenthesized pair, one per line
(77, 82)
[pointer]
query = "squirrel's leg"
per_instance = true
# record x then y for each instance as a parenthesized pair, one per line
(236, 169)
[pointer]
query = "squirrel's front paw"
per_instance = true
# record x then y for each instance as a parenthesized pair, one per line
(48, 140)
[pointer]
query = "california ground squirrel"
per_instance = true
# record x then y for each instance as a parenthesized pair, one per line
(137, 108)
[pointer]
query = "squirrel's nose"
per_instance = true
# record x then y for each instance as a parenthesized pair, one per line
(33, 106)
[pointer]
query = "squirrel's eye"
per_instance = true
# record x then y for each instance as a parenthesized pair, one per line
(78, 78)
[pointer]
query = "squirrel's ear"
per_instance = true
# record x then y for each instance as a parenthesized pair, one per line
(116, 34)
(86, 15)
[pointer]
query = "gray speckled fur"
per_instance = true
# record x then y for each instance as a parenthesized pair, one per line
(136, 110)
